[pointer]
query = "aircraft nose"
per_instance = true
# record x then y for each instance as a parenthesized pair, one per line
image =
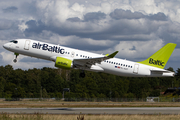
(5, 46)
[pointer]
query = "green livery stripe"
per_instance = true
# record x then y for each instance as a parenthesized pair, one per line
(160, 58)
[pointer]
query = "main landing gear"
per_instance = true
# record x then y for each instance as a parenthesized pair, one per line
(15, 60)
(82, 74)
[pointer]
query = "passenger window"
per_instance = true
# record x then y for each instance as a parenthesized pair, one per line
(80, 55)
(116, 63)
(76, 54)
(112, 63)
(126, 65)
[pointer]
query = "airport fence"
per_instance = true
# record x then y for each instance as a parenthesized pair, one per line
(148, 99)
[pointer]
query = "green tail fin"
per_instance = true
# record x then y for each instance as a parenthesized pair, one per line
(160, 58)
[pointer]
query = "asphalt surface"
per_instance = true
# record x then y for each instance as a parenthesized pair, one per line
(124, 110)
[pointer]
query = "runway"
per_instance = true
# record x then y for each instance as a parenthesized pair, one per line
(123, 110)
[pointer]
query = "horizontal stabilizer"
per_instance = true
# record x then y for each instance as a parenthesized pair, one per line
(161, 71)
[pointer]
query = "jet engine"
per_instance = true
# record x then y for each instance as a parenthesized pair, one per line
(63, 63)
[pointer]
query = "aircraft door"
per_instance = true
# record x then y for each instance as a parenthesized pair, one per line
(27, 43)
(136, 68)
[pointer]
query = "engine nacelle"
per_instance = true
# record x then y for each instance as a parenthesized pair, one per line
(63, 63)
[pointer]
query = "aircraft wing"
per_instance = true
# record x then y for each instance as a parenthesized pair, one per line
(92, 61)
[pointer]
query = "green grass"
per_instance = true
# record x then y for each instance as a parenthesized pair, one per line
(37, 116)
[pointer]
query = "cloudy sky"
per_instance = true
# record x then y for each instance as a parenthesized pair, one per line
(136, 28)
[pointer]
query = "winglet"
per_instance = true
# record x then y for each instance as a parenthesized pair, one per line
(111, 55)
(106, 54)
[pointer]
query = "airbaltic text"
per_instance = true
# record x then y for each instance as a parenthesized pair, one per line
(156, 62)
(56, 49)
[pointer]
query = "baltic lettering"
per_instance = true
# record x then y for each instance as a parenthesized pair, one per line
(156, 62)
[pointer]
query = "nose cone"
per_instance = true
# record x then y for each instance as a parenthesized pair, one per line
(6, 45)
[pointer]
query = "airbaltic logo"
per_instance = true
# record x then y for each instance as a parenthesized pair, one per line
(62, 63)
(156, 62)
(56, 49)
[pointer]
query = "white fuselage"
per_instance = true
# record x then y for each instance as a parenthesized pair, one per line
(114, 66)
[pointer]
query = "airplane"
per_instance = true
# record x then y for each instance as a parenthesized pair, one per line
(68, 58)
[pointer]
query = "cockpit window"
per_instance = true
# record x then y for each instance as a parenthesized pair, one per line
(14, 41)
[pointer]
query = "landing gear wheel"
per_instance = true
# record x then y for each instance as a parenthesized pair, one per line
(15, 60)
(82, 74)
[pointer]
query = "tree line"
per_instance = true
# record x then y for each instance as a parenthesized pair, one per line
(49, 83)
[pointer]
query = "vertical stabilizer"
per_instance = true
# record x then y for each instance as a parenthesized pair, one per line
(160, 58)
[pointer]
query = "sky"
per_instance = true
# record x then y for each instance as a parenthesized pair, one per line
(135, 28)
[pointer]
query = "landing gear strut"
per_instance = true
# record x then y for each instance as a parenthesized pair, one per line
(15, 60)
(82, 74)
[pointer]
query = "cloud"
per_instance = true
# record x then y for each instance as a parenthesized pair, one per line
(31, 65)
(7, 57)
(133, 48)
(94, 16)
(138, 50)
(135, 28)
(1, 58)
(5, 24)
(10, 9)
(34, 27)
(159, 17)
(35, 60)
(75, 19)
(127, 14)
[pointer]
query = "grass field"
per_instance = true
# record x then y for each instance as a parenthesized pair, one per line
(44, 104)
(37, 116)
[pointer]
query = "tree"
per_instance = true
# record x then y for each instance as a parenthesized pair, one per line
(178, 72)
(171, 69)
(2, 85)
(44, 93)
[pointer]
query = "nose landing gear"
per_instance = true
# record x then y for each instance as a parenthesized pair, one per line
(15, 60)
